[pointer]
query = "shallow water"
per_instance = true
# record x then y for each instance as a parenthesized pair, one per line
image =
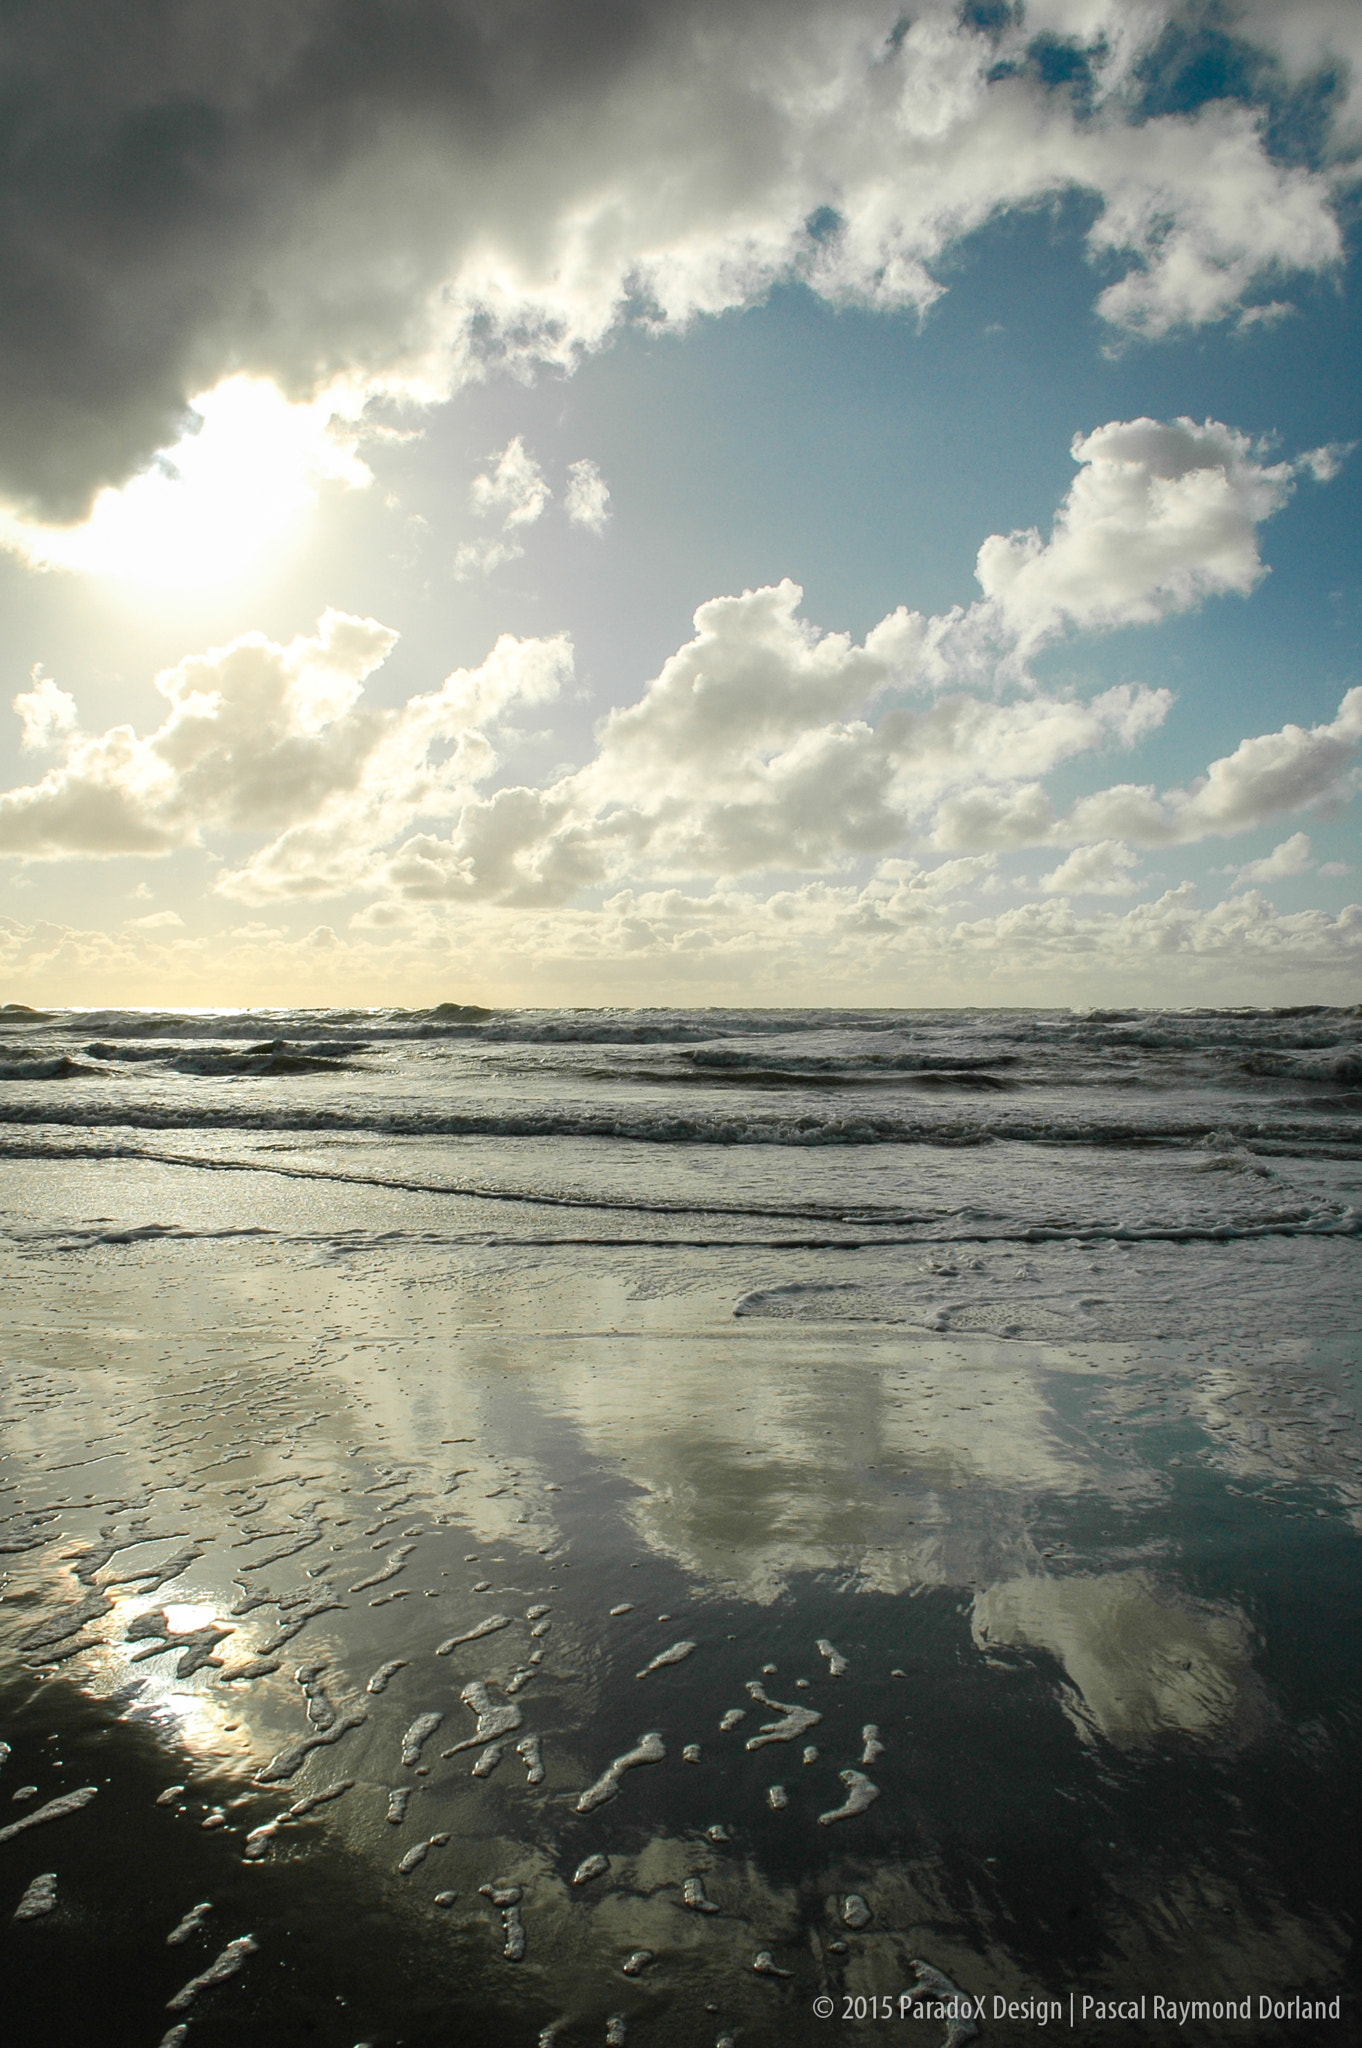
(320, 1487)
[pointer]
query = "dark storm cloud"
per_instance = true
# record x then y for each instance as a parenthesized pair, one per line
(164, 166)
(393, 190)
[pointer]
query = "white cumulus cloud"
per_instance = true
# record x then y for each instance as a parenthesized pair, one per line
(515, 491)
(1267, 775)
(1106, 869)
(45, 712)
(1292, 857)
(1161, 516)
(587, 502)
(480, 557)
(260, 736)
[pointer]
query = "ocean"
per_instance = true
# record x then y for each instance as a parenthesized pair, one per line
(679, 1526)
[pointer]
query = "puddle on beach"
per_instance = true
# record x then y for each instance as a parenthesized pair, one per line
(1034, 1665)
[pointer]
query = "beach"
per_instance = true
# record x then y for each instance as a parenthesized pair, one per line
(596, 1526)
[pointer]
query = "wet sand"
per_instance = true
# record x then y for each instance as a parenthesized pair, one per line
(443, 1661)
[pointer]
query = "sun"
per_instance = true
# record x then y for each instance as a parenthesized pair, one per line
(218, 503)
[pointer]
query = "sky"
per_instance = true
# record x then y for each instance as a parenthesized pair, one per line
(680, 501)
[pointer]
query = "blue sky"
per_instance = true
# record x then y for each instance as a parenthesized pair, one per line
(1073, 274)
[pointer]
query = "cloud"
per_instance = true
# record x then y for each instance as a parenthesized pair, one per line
(46, 712)
(1290, 770)
(1297, 768)
(756, 749)
(302, 196)
(407, 774)
(1106, 869)
(1161, 516)
(855, 943)
(520, 846)
(481, 557)
(1315, 41)
(255, 734)
(263, 737)
(517, 492)
(514, 492)
(1292, 857)
(1196, 263)
(1325, 463)
(588, 496)
(1000, 820)
(903, 883)
(762, 745)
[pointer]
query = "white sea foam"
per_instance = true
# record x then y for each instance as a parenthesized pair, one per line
(649, 1749)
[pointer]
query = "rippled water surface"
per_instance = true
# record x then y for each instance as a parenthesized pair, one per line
(926, 1444)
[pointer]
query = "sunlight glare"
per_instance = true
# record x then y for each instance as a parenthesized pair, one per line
(213, 506)
(184, 1615)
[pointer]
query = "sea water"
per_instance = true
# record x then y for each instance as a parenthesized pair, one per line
(624, 1525)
